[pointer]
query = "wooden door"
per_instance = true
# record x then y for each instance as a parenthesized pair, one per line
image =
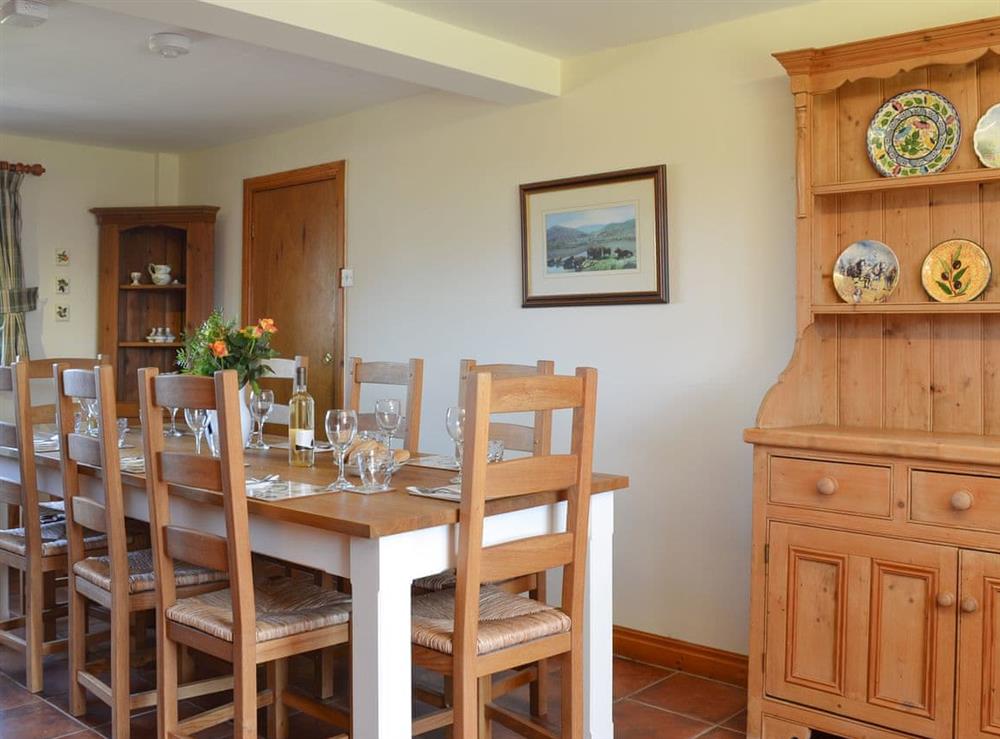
(862, 626)
(293, 251)
(978, 711)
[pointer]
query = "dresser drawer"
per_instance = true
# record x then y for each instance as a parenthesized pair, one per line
(960, 501)
(831, 486)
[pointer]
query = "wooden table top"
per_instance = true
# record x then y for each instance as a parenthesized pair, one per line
(366, 516)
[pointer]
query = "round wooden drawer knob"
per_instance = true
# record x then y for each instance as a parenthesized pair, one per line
(945, 600)
(970, 605)
(826, 486)
(962, 500)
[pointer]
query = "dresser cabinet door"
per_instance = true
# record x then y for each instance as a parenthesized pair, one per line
(978, 648)
(863, 626)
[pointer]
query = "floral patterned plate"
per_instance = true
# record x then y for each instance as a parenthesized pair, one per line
(986, 139)
(956, 271)
(914, 133)
(866, 272)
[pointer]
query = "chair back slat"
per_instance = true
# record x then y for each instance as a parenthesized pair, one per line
(530, 475)
(40, 414)
(383, 373)
(183, 391)
(189, 470)
(80, 383)
(196, 547)
(166, 471)
(84, 449)
(89, 514)
(525, 556)
(520, 394)
(10, 492)
(8, 435)
(536, 438)
(401, 374)
(41, 369)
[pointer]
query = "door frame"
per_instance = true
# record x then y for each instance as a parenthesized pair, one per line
(335, 171)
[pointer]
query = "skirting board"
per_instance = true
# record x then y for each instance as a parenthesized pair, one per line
(680, 655)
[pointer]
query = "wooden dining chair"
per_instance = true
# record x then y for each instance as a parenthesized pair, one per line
(477, 630)
(37, 548)
(283, 370)
(400, 374)
(248, 623)
(121, 581)
(533, 439)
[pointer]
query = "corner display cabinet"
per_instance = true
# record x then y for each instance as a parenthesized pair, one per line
(180, 237)
(876, 524)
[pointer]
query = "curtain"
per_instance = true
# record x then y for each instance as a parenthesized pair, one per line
(15, 298)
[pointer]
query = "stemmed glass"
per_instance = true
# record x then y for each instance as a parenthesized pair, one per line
(388, 418)
(173, 431)
(197, 421)
(260, 403)
(341, 428)
(89, 406)
(454, 420)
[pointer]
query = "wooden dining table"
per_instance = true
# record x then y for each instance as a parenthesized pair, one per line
(382, 542)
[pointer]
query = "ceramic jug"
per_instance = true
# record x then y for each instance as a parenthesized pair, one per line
(160, 273)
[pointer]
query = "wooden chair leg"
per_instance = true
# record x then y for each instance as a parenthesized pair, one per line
(485, 696)
(186, 667)
(166, 680)
(48, 602)
(277, 712)
(77, 650)
(538, 691)
(34, 629)
(448, 688)
(466, 700)
(326, 656)
(244, 695)
(572, 694)
(120, 687)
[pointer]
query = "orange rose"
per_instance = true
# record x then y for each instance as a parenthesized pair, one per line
(253, 332)
(267, 326)
(219, 349)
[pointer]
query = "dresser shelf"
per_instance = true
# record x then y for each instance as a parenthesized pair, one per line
(150, 344)
(963, 177)
(973, 307)
(153, 288)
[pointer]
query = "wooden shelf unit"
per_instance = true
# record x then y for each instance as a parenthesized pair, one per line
(130, 239)
(876, 523)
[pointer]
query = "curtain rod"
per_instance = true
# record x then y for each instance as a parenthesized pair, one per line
(36, 169)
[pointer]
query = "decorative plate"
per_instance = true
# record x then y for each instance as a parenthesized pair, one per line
(986, 139)
(956, 271)
(866, 272)
(914, 133)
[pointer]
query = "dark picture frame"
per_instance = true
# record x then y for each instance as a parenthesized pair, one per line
(597, 251)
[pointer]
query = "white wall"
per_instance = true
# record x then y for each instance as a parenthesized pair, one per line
(433, 236)
(55, 215)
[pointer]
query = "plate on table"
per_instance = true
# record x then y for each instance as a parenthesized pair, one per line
(956, 271)
(866, 272)
(914, 133)
(986, 139)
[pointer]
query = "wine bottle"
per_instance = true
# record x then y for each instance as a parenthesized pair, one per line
(301, 422)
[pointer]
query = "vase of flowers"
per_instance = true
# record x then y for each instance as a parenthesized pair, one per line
(220, 344)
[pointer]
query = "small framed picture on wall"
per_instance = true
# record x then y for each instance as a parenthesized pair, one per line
(595, 240)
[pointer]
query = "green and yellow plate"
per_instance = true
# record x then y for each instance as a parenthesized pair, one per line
(915, 133)
(956, 271)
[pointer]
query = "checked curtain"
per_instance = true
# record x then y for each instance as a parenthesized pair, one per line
(15, 298)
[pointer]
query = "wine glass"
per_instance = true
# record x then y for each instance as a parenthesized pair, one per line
(173, 432)
(89, 406)
(260, 404)
(388, 418)
(197, 421)
(454, 420)
(341, 428)
(123, 430)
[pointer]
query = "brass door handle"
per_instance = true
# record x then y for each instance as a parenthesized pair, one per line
(327, 358)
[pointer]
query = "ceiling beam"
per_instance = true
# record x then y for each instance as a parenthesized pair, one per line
(367, 35)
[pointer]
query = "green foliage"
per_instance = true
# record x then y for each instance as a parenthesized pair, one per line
(219, 345)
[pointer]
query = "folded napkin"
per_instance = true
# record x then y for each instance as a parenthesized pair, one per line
(445, 492)
(135, 465)
(435, 462)
(46, 442)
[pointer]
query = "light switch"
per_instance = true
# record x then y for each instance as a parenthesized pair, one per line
(347, 277)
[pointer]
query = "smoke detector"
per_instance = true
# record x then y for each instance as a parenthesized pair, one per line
(24, 13)
(169, 45)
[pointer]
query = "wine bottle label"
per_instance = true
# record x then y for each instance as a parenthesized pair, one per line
(303, 438)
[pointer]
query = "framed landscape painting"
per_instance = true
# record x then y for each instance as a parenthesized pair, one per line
(595, 240)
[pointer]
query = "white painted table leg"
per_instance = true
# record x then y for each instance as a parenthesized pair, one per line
(598, 721)
(380, 637)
